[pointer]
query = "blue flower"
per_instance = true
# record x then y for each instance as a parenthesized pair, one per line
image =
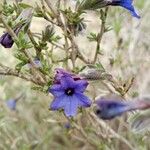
(109, 109)
(68, 95)
(127, 4)
(11, 104)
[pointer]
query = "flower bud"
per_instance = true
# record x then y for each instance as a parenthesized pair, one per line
(95, 74)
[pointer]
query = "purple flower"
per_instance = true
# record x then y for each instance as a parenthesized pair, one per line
(127, 4)
(6, 39)
(68, 95)
(108, 108)
(11, 104)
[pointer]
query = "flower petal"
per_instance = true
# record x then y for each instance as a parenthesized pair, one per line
(127, 4)
(81, 85)
(58, 102)
(130, 7)
(71, 106)
(56, 90)
(67, 82)
(83, 100)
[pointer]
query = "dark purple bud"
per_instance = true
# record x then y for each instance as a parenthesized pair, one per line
(6, 40)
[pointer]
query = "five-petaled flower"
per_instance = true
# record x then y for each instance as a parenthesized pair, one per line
(68, 94)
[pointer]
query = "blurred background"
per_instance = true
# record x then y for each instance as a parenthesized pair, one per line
(125, 53)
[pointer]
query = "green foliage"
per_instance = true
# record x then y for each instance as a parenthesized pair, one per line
(8, 9)
(24, 5)
(92, 37)
(49, 35)
(19, 66)
(22, 42)
(73, 18)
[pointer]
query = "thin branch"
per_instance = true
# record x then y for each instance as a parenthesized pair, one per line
(100, 35)
(9, 30)
(15, 38)
(10, 72)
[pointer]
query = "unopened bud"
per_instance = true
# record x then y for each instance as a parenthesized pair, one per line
(95, 74)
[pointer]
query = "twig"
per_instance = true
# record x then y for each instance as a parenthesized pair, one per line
(10, 72)
(15, 38)
(9, 30)
(100, 35)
